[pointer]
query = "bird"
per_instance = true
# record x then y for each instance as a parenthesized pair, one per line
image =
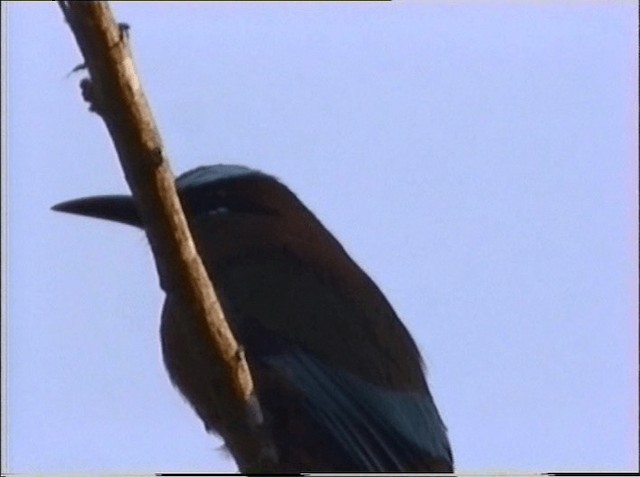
(340, 380)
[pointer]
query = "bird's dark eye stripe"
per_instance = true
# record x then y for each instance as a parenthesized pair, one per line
(201, 201)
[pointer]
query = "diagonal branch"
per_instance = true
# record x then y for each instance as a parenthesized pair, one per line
(115, 93)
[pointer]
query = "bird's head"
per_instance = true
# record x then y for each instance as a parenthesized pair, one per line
(236, 211)
(223, 190)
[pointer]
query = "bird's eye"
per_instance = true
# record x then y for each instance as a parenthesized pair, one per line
(218, 210)
(220, 201)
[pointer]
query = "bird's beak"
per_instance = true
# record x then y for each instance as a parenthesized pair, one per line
(118, 208)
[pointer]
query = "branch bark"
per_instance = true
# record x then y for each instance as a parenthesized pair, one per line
(116, 94)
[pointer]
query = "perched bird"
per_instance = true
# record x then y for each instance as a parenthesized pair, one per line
(338, 376)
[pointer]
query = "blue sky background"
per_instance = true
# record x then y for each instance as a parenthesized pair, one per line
(479, 160)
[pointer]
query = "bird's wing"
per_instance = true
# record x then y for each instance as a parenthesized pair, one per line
(377, 428)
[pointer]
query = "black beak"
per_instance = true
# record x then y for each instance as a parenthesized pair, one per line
(118, 208)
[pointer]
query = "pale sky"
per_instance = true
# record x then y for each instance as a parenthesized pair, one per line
(478, 159)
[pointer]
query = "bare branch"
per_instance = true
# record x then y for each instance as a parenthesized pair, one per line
(115, 93)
